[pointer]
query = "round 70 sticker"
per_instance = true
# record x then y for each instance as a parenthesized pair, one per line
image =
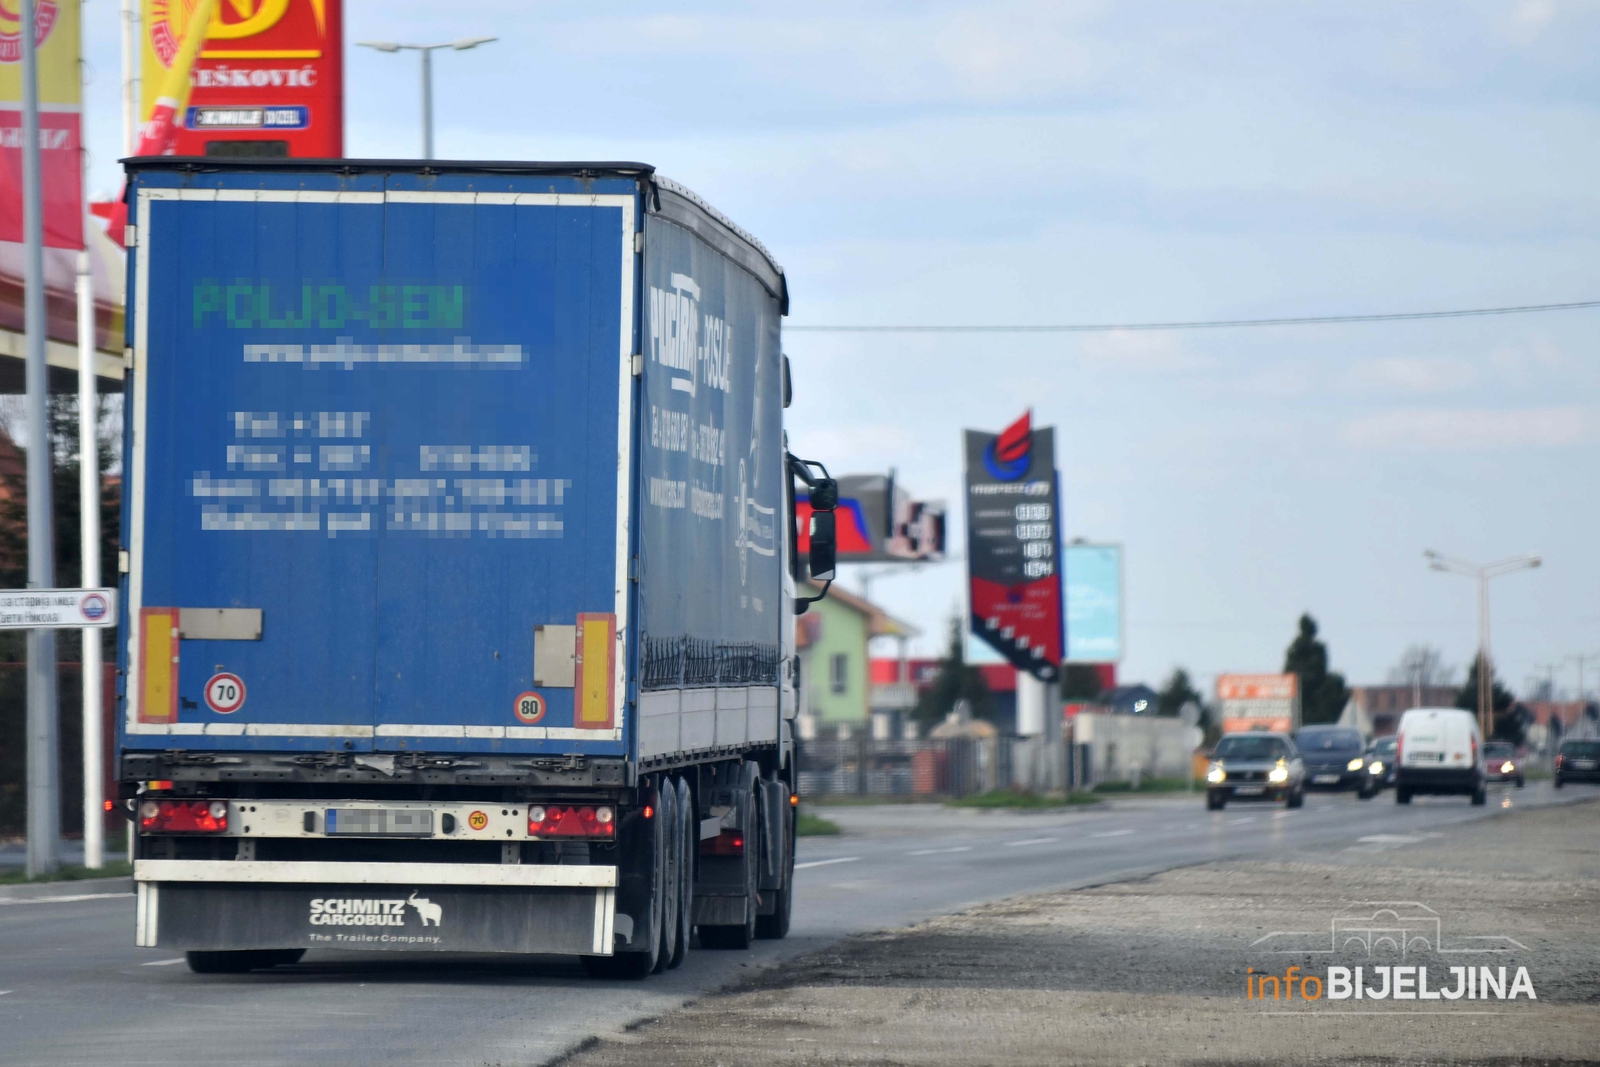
(225, 693)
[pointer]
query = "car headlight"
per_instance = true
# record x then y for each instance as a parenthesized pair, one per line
(1506, 767)
(1355, 764)
(1376, 768)
(1279, 774)
(1216, 773)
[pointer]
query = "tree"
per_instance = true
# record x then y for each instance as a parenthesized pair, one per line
(1422, 666)
(957, 680)
(1323, 693)
(1080, 683)
(1176, 693)
(1510, 719)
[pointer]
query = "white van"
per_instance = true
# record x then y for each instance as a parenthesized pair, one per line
(1439, 750)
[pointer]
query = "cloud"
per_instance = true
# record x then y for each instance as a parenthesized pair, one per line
(1408, 374)
(1465, 429)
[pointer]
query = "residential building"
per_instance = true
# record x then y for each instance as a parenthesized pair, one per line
(832, 638)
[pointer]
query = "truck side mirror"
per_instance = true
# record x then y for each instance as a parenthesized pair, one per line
(824, 545)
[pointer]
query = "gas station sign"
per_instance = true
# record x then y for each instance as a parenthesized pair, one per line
(269, 81)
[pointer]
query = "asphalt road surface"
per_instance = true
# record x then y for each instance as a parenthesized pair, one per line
(74, 990)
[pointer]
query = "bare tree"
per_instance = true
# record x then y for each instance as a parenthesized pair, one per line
(1421, 666)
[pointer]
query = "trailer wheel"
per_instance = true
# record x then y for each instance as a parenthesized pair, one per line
(671, 872)
(241, 961)
(776, 926)
(691, 848)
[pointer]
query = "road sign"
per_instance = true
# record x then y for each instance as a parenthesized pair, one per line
(1259, 702)
(225, 693)
(57, 609)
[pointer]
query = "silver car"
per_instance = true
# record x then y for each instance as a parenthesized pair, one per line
(1255, 766)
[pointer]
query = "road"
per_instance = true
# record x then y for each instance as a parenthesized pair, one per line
(73, 989)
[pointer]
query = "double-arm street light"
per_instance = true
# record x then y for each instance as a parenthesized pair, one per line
(427, 51)
(1482, 572)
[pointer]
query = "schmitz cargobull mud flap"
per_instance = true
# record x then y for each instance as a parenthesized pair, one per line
(224, 905)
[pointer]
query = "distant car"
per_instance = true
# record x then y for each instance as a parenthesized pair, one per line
(1439, 750)
(1577, 761)
(1501, 762)
(1255, 766)
(1380, 768)
(1333, 756)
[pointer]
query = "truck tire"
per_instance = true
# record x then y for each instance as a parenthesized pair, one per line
(641, 876)
(241, 961)
(1480, 795)
(776, 926)
(691, 850)
(739, 935)
(671, 871)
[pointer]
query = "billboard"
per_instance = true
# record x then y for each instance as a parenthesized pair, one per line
(1014, 581)
(879, 522)
(56, 35)
(269, 81)
(1094, 603)
(1259, 702)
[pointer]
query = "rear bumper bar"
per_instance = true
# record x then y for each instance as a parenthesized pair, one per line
(242, 904)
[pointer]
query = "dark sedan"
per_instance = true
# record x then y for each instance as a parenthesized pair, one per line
(1334, 757)
(1380, 768)
(1577, 761)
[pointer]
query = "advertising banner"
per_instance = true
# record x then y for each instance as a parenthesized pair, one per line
(1013, 546)
(879, 522)
(56, 36)
(269, 81)
(1094, 603)
(1259, 702)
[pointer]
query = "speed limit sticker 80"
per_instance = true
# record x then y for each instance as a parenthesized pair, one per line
(225, 693)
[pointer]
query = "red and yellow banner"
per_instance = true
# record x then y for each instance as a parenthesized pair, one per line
(56, 36)
(269, 81)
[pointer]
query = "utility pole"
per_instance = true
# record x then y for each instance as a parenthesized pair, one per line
(1482, 572)
(44, 802)
(130, 107)
(427, 51)
(1581, 660)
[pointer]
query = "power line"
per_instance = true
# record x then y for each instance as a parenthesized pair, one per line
(1209, 324)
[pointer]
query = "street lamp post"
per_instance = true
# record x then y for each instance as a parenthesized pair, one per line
(1581, 661)
(427, 51)
(1482, 572)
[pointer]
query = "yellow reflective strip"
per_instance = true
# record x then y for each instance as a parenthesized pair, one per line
(160, 657)
(596, 706)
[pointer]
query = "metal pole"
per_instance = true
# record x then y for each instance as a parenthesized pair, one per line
(89, 533)
(427, 103)
(44, 807)
(130, 107)
(1485, 664)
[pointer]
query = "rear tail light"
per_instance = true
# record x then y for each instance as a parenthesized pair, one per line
(184, 816)
(562, 820)
(1558, 761)
(727, 843)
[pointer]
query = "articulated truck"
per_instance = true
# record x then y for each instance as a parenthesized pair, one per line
(459, 564)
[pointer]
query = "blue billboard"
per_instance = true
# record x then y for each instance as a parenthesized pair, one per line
(1094, 603)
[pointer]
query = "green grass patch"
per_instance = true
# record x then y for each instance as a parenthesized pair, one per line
(853, 800)
(1147, 785)
(809, 825)
(1006, 798)
(16, 876)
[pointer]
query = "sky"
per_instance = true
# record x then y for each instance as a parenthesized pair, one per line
(1034, 163)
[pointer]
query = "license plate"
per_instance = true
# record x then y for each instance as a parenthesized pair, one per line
(1583, 764)
(1248, 790)
(378, 822)
(1325, 779)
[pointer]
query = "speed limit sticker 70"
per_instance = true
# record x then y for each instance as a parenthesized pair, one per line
(225, 693)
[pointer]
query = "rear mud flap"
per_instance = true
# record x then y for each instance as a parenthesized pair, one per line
(213, 916)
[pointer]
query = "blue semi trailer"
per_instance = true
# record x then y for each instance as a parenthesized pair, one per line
(459, 569)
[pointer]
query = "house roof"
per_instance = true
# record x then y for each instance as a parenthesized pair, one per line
(879, 622)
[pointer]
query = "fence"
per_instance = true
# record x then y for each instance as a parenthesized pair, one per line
(1099, 749)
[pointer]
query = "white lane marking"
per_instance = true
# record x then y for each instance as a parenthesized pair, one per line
(824, 863)
(1389, 839)
(1237, 822)
(1032, 841)
(162, 963)
(939, 851)
(62, 899)
(5, 992)
(1112, 833)
(1283, 814)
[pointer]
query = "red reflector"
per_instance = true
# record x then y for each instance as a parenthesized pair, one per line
(558, 821)
(184, 816)
(649, 812)
(727, 843)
